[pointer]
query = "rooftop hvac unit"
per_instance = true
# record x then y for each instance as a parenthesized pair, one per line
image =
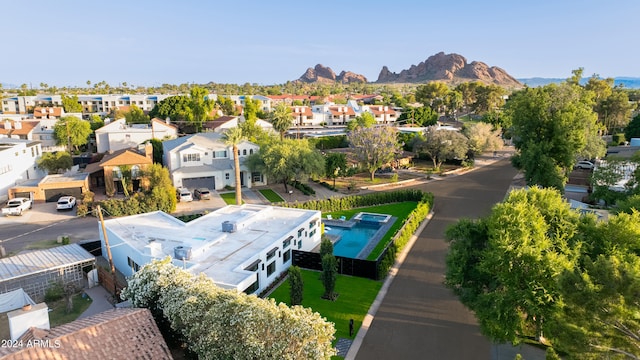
(230, 227)
(182, 252)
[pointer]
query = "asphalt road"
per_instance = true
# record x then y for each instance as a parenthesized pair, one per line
(420, 318)
(16, 236)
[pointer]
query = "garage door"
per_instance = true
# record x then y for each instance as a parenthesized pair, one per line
(52, 195)
(208, 182)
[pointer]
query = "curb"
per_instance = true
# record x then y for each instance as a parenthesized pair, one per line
(366, 322)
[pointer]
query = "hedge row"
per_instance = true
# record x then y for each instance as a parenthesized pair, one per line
(355, 201)
(304, 188)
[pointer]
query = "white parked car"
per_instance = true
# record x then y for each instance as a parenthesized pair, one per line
(585, 165)
(66, 203)
(17, 206)
(184, 194)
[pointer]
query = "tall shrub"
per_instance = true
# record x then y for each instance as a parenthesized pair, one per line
(296, 285)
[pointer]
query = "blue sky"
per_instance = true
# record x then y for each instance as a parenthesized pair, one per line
(145, 42)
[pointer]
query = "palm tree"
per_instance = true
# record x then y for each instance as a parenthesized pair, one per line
(232, 137)
(281, 119)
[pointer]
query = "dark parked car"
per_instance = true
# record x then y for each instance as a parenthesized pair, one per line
(202, 194)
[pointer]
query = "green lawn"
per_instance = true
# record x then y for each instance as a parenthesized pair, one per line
(229, 198)
(58, 310)
(271, 195)
(400, 210)
(355, 297)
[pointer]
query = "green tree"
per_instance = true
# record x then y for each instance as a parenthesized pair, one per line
(335, 165)
(326, 247)
(158, 151)
(71, 104)
(432, 94)
(96, 122)
(550, 128)
(71, 131)
(366, 120)
(135, 115)
(159, 188)
(55, 163)
(296, 286)
(226, 105)
(251, 107)
(281, 119)
(505, 267)
(442, 145)
(177, 108)
(200, 106)
(329, 275)
(374, 147)
(453, 103)
(488, 98)
(226, 324)
(633, 128)
(233, 137)
(608, 176)
(614, 111)
(482, 138)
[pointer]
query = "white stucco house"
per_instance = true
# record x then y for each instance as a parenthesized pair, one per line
(203, 160)
(241, 247)
(18, 163)
(118, 135)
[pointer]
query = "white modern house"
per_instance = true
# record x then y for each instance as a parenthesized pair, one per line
(90, 103)
(18, 163)
(118, 135)
(240, 247)
(204, 160)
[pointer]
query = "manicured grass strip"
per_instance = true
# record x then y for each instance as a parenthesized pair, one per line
(355, 299)
(229, 198)
(399, 210)
(271, 195)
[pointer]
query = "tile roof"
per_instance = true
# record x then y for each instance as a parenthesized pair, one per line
(124, 157)
(25, 127)
(113, 334)
(56, 111)
(340, 110)
(297, 110)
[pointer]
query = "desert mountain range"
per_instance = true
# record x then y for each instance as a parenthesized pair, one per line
(449, 68)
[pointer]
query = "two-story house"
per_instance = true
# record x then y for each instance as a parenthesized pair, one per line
(18, 163)
(106, 176)
(204, 160)
(118, 135)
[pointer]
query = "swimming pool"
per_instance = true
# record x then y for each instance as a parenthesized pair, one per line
(351, 241)
(372, 217)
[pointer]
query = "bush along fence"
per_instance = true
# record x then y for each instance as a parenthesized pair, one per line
(374, 269)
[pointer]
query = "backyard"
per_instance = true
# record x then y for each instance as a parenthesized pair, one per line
(355, 297)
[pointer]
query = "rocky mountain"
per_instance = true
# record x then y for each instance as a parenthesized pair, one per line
(324, 74)
(450, 68)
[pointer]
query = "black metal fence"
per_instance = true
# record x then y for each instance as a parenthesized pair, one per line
(347, 266)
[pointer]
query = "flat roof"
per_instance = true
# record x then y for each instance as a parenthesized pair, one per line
(57, 178)
(222, 256)
(38, 261)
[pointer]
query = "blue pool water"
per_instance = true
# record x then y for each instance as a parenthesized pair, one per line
(352, 240)
(373, 217)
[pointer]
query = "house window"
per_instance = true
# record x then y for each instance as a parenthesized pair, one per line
(253, 266)
(287, 242)
(190, 157)
(300, 244)
(312, 233)
(220, 154)
(244, 152)
(271, 268)
(226, 176)
(271, 253)
(116, 173)
(286, 256)
(132, 264)
(257, 177)
(300, 231)
(250, 151)
(253, 287)
(135, 172)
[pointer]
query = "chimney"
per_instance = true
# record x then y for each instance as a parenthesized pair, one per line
(148, 151)
(17, 125)
(167, 120)
(7, 124)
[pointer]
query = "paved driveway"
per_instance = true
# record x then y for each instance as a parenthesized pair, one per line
(419, 318)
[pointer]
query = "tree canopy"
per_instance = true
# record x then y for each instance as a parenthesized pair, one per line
(175, 108)
(71, 103)
(374, 147)
(420, 116)
(72, 132)
(225, 324)
(281, 118)
(550, 128)
(55, 163)
(534, 268)
(483, 138)
(135, 115)
(442, 145)
(363, 121)
(633, 128)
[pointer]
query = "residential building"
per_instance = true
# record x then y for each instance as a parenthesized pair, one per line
(244, 247)
(382, 113)
(112, 334)
(106, 175)
(118, 135)
(223, 123)
(18, 163)
(44, 133)
(18, 129)
(90, 103)
(52, 187)
(204, 160)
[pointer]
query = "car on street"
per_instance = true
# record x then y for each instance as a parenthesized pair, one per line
(202, 194)
(184, 194)
(17, 206)
(66, 203)
(585, 165)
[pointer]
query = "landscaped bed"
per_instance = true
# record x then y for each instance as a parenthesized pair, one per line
(229, 198)
(355, 298)
(271, 195)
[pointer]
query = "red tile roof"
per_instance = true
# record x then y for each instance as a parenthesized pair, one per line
(44, 112)
(113, 334)
(26, 127)
(304, 110)
(341, 109)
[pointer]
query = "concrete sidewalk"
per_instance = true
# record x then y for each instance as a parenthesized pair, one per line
(101, 301)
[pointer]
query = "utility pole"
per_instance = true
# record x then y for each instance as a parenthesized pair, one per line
(106, 242)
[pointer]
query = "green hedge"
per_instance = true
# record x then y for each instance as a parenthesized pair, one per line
(355, 201)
